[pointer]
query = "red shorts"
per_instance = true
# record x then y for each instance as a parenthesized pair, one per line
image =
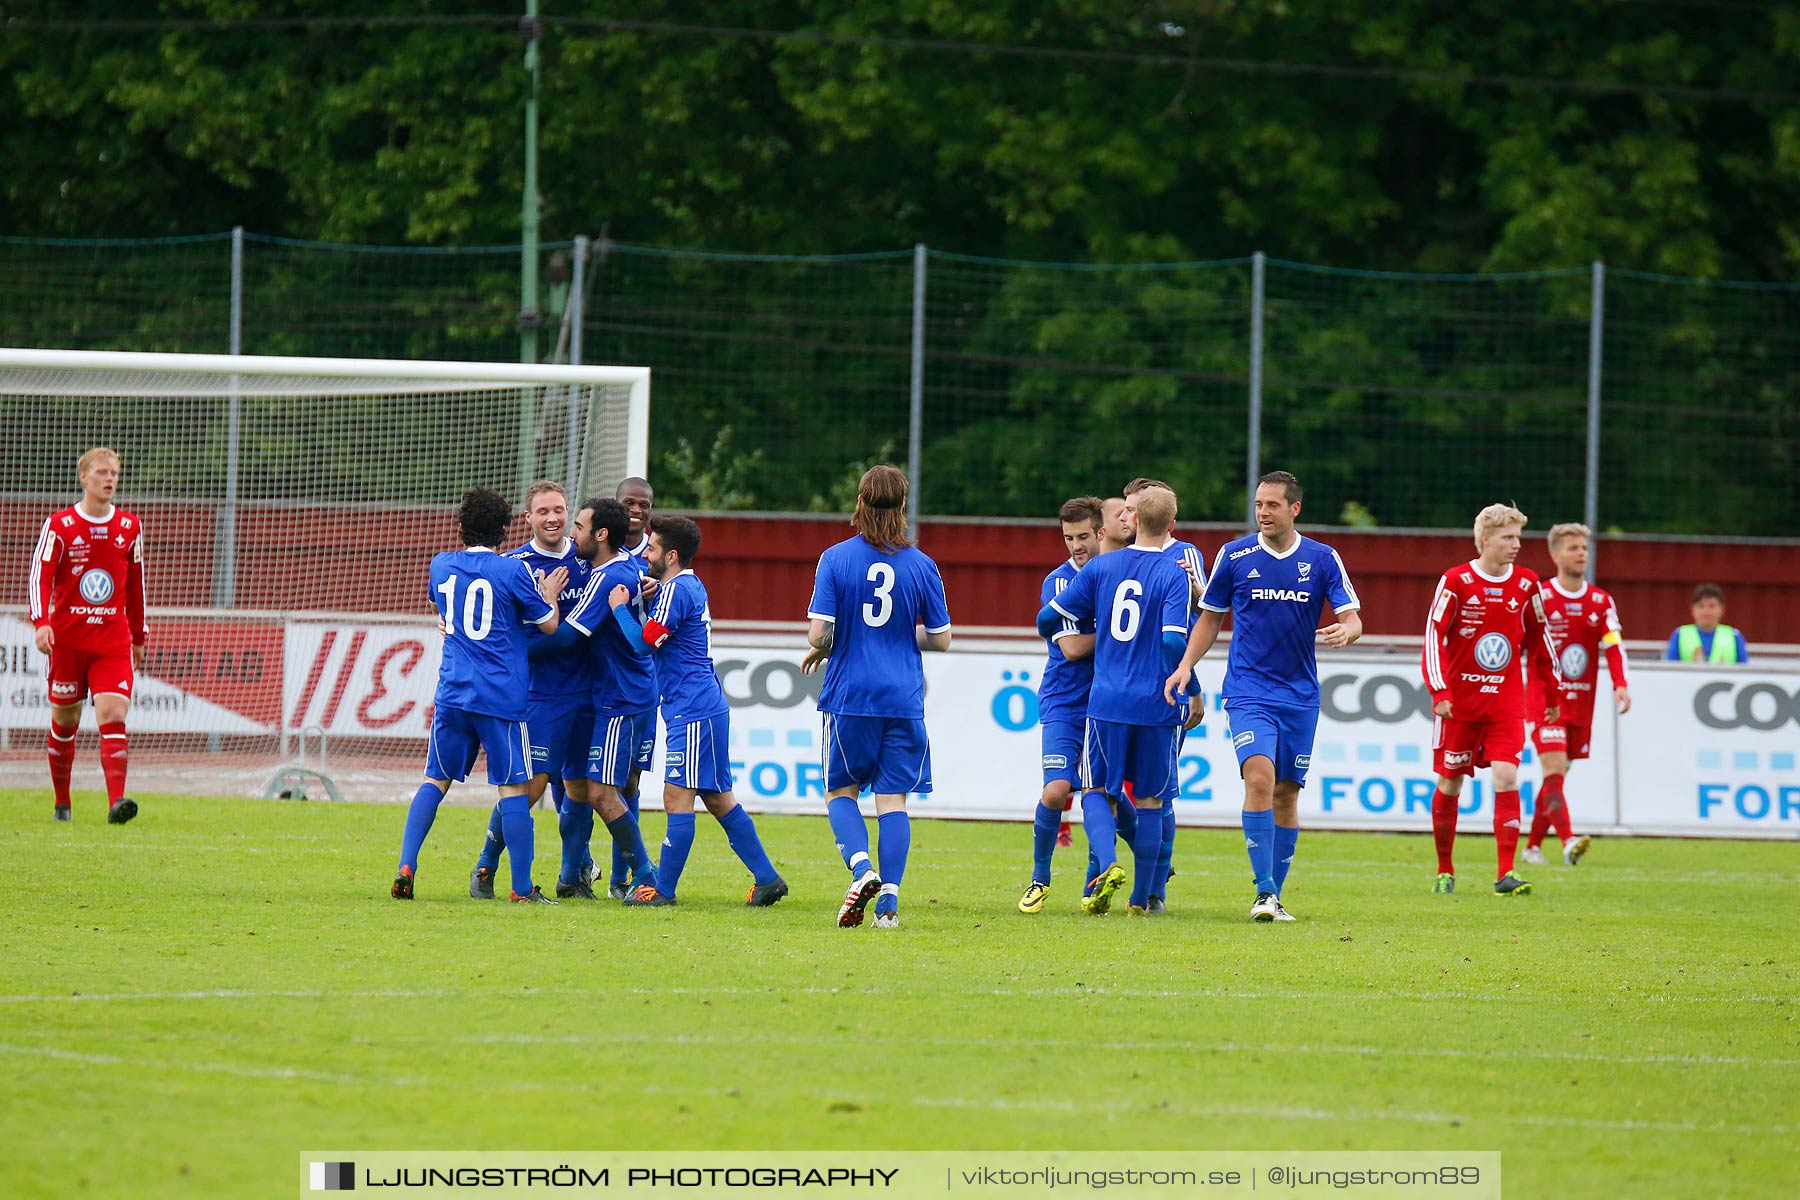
(77, 673)
(1461, 746)
(1562, 738)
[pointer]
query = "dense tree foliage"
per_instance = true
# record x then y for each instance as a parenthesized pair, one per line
(1407, 135)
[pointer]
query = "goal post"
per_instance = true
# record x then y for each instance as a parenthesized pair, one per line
(291, 507)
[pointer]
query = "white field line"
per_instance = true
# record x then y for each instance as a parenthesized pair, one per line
(955, 1102)
(1511, 996)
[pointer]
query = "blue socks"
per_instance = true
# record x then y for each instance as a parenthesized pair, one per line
(740, 831)
(1098, 823)
(489, 858)
(1044, 827)
(620, 864)
(628, 840)
(848, 830)
(1285, 841)
(575, 822)
(419, 816)
(515, 820)
(1159, 885)
(1259, 840)
(1145, 849)
(678, 841)
(896, 843)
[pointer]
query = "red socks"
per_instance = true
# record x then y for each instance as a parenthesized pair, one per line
(115, 753)
(1506, 829)
(1443, 829)
(1550, 810)
(61, 750)
(1559, 816)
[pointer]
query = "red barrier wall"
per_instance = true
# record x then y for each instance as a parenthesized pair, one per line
(760, 567)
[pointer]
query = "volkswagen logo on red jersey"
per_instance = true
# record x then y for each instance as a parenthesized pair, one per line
(1574, 662)
(96, 586)
(1493, 651)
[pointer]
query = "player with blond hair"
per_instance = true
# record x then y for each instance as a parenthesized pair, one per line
(87, 607)
(1485, 616)
(1584, 623)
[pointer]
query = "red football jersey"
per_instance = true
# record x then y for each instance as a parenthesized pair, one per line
(1583, 624)
(87, 579)
(1481, 627)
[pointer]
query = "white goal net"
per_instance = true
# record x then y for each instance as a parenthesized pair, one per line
(290, 507)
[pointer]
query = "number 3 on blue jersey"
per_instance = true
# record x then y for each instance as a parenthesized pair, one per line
(877, 611)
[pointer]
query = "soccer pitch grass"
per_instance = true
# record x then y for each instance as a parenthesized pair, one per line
(189, 1001)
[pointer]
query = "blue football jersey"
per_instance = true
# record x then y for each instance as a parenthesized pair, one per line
(1063, 687)
(565, 674)
(487, 602)
(684, 665)
(1133, 596)
(1188, 553)
(875, 600)
(1275, 601)
(624, 682)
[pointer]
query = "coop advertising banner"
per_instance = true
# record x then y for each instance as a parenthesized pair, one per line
(1702, 751)
(1712, 751)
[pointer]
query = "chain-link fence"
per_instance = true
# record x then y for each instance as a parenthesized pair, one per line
(1646, 403)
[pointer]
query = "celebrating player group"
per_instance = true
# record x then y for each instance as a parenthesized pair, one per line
(560, 655)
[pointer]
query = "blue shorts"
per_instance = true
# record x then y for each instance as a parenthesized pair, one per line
(697, 754)
(559, 727)
(1144, 756)
(458, 736)
(1062, 751)
(1282, 734)
(618, 743)
(888, 755)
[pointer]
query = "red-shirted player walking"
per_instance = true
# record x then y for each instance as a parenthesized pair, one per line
(87, 602)
(1485, 618)
(1585, 624)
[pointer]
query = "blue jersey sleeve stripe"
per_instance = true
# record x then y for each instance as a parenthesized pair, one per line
(1213, 607)
(1065, 612)
(940, 629)
(813, 616)
(1344, 581)
(664, 600)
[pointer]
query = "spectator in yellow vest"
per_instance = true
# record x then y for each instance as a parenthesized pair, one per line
(1707, 640)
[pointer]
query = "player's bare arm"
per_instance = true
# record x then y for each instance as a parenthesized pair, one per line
(1076, 646)
(938, 642)
(1200, 640)
(1345, 630)
(819, 635)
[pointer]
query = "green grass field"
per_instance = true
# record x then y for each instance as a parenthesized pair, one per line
(189, 1001)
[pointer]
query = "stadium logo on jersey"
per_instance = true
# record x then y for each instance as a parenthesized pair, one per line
(1493, 651)
(1574, 662)
(1237, 554)
(96, 586)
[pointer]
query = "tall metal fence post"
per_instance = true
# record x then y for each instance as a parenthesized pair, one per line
(577, 314)
(1590, 508)
(224, 580)
(1253, 454)
(915, 426)
(529, 316)
(224, 589)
